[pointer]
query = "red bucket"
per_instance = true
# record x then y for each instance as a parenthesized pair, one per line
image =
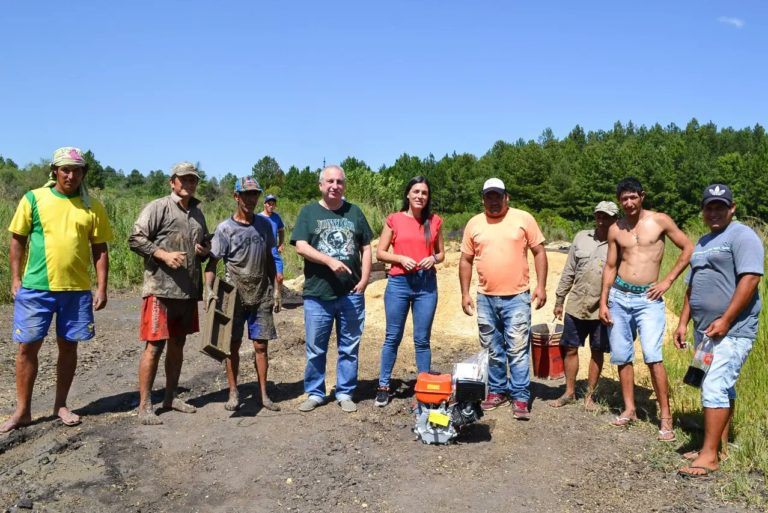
(547, 360)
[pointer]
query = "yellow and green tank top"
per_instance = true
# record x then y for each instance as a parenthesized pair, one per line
(60, 232)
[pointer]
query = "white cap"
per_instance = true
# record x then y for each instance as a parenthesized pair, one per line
(494, 184)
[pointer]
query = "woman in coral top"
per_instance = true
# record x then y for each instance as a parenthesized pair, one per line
(412, 242)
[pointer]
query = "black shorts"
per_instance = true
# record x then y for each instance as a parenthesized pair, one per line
(575, 332)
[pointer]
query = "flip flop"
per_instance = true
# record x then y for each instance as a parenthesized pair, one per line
(622, 421)
(692, 455)
(666, 436)
(686, 472)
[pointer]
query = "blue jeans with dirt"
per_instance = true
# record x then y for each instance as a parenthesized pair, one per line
(348, 313)
(505, 323)
(416, 292)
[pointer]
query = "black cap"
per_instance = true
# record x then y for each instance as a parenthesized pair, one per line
(717, 192)
(270, 197)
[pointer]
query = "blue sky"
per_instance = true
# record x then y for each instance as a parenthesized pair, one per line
(146, 84)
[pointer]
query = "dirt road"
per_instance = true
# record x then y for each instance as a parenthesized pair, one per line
(256, 460)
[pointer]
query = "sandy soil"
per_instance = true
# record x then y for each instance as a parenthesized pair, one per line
(255, 460)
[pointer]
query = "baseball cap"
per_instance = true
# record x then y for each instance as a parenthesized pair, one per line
(68, 156)
(494, 184)
(609, 207)
(717, 192)
(270, 197)
(247, 183)
(184, 168)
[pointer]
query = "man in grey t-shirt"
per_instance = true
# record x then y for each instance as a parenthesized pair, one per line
(723, 300)
(245, 243)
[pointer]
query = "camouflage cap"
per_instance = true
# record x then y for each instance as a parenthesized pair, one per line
(247, 183)
(68, 156)
(184, 168)
(609, 207)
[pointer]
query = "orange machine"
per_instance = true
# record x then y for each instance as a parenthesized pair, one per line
(444, 407)
(433, 388)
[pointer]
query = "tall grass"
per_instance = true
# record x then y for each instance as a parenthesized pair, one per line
(6, 214)
(750, 425)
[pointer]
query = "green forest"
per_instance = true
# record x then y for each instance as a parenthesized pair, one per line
(560, 180)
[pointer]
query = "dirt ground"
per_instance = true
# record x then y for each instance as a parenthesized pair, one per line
(255, 460)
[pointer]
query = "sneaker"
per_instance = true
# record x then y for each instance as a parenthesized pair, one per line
(494, 401)
(309, 404)
(520, 410)
(382, 397)
(348, 406)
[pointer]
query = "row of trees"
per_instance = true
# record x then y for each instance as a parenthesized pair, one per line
(567, 177)
(559, 178)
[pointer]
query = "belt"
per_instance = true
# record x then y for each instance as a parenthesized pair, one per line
(625, 286)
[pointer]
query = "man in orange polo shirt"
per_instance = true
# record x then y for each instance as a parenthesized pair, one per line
(498, 241)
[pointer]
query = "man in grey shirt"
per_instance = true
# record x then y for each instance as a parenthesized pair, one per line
(722, 298)
(583, 277)
(245, 242)
(170, 235)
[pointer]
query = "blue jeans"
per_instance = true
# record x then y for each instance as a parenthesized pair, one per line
(631, 312)
(417, 292)
(349, 314)
(505, 323)
(719, 386)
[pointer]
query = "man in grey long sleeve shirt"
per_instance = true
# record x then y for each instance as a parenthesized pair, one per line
(170, 235)
(582, 278)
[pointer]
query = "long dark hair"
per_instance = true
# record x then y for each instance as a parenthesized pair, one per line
(426, 212)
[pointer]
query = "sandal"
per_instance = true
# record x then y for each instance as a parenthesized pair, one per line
(666, 435)
(622, 421)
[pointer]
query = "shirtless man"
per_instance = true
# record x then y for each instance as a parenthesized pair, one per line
(631, 296)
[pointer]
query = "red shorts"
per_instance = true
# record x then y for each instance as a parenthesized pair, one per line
(163, 318)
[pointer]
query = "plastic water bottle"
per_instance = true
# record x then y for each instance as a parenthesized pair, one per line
(702, 360)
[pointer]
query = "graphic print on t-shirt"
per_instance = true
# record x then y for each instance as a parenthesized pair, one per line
(337, 238)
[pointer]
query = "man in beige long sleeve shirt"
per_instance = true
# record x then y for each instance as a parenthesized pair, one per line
(582, 277)
(170, 235)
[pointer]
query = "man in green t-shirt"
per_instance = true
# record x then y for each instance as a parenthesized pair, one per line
(334, 239)
(60, 228)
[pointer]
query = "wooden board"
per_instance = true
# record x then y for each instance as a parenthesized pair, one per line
(217, 329)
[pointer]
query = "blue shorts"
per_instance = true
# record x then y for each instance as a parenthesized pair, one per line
(33, 313)
(278, 258)
(261, 322)
(719, 386)
(576, 331)
(632, 312)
